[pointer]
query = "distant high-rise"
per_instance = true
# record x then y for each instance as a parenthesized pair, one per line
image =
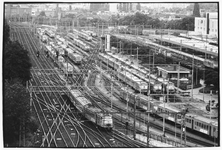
(128, 7)
(99, 7)
(113, 7)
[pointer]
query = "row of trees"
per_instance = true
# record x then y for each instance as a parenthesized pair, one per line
(186, 23)
(138, 18)
(17, 119)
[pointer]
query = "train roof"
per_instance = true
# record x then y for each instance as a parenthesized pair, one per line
(204, 119)
(168, 107)
(69, 50)
(76, 93)
(76, 68)
(94, 109)
(76, 55)
(83, 101)
(67, 64)
(63, 46)
(205, 46)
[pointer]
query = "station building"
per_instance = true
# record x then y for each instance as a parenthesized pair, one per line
(171, 72)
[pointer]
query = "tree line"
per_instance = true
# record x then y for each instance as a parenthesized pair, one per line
(18, 121)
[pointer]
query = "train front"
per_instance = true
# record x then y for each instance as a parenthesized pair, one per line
(107, 121)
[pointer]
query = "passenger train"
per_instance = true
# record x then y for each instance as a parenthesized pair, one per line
(156, 86)
(90, 33)
(192, 121)
(80, 44)
(50, 33)
(76, 58)
(82, 35)
(89, 111)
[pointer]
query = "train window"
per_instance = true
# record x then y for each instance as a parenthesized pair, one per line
(207, 127)
(202, 125)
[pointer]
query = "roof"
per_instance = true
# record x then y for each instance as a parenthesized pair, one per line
(168, 107)
(173, 69)
(189, 43)
(83, 101)
(204, 119)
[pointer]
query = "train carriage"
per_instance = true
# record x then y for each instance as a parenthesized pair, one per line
(79, 101)
(67, 68)
(205, 125)
(50, 33)
(133, 81)
(90, 112)
(72, 36)
(82, 35)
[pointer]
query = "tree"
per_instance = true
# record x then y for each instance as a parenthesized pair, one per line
(6, 32)
(196, 10)
(16, 112)
(17, 63)
(211, 77)
(42, 13)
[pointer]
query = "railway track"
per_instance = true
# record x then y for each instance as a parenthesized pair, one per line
(46, 141)
(189, 137)
(48, 134)
(45, 118)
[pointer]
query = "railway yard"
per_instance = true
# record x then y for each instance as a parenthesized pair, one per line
(85, 96)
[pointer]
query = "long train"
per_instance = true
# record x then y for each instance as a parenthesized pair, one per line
(76, 58)
(82, 35)
(50, 33)
(156, 86)
(89, 111)
(79, 43)
(192, 121)
(90, 33)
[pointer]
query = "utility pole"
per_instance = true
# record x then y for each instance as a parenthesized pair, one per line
(148, 106)
(178, 76)
(137, 56)
(192, 76)
(164, 114)
(134, 120)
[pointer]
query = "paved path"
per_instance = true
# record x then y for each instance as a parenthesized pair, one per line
(202, 96)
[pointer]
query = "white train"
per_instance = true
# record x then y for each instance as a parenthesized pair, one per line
(80, 44)
(156, 85)
(125, 75)
(72, 36)
(90, 112)
(43, 38)
(90, 33)
(132, 80)
(50, 33)
(76, 58)
(82, 35)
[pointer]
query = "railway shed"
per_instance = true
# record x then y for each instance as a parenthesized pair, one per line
(173, 71)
